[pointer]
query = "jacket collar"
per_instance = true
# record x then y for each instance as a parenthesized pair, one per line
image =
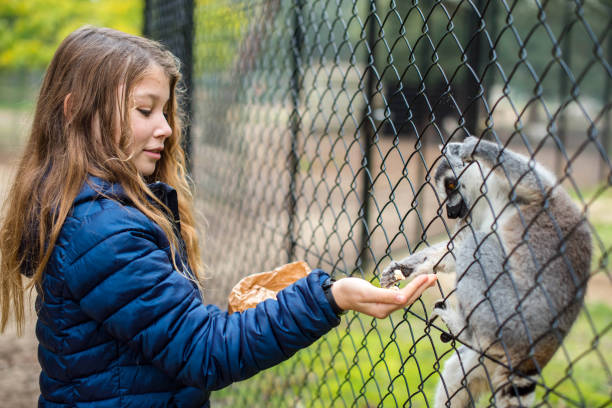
(95, 187)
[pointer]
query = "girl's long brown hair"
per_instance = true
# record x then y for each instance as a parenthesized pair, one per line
(74, 137)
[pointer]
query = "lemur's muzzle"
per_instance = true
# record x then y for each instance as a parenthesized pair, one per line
(459, 210)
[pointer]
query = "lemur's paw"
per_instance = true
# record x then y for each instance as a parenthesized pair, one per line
(440, 304)
(394, 273)
(440, 310)
(397, 271)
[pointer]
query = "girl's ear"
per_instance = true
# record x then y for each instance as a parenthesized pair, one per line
(67, 107)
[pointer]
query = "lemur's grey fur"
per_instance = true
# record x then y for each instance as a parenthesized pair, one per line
(521, 253)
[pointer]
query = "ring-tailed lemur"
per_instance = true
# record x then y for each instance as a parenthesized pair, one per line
(521, 253)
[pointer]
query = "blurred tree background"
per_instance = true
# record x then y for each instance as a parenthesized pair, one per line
(30, 31)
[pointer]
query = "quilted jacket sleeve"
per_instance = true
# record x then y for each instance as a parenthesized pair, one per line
(123, 279)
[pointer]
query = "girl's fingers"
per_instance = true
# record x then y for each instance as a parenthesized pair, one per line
(404, 297)
(385, 296)
(360, 295)
(414, 289)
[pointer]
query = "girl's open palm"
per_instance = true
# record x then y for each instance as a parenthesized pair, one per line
(360, 295)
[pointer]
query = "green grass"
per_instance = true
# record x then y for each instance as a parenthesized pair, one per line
(365, 363)
(598, 201)
(578, 371)
(362, 362)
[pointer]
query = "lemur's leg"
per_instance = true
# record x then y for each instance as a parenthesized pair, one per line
(522, 173)
(462, 381)
(433, 259)
(520, 392)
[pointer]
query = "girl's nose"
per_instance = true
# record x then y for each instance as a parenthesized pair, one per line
(163, 129)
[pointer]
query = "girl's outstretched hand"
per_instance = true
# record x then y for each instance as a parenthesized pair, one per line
(361, 296)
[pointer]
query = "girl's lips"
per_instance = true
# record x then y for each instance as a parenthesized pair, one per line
(153, 153)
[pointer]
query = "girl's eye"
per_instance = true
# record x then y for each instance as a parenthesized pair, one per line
(144, 112)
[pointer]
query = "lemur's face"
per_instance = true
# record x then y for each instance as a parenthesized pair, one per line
(451, 190)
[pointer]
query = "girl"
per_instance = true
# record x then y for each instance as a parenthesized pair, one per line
(114, 257)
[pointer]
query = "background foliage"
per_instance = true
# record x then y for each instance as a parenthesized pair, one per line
(31, 30)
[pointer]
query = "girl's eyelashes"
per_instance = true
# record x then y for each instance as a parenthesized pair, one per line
(144, 112)
(147, 113)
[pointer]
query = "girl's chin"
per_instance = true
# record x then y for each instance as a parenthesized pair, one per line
(146, 164)
(146, 170)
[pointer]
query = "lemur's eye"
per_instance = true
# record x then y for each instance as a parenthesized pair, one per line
(450, 184)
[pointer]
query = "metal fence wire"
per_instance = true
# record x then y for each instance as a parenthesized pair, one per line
(316, 128)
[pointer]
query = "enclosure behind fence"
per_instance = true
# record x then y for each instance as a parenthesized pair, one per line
(317, 127)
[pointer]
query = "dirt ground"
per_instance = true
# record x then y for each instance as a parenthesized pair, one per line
(19, 367)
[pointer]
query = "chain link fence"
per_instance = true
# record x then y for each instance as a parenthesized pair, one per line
(315, 132)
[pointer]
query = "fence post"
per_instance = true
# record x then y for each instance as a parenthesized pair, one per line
(563, 90)
(489, 76)
(605, 164)
(474, 60)
(188, 33)
(179, 40)
(368, 136)
(146, 21)
(297, 43)
(421, 116)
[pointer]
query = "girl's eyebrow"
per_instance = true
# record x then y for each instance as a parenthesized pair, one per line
(155, 97)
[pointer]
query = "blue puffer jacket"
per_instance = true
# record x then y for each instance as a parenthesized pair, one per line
(119, 327)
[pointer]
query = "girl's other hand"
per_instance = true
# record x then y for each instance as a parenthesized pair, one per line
(361, 296)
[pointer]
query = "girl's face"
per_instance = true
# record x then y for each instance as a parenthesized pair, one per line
(149, 126)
